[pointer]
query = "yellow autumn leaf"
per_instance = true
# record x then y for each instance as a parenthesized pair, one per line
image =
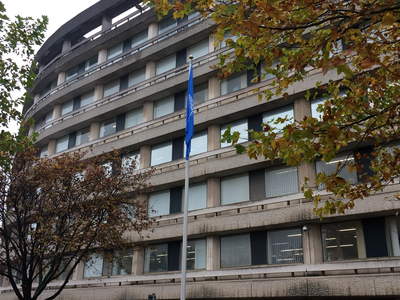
(388, 20)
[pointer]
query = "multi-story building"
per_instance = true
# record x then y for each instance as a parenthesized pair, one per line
(251, 233)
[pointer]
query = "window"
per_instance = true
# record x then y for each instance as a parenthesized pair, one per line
(108, 127)
(393, 234)
(90, 63)
(264, 74)
(275, 114)
(168, 256)
(52, 85)
(166, 64)
(111, 88)
(233, 83)
(164, 107)
(137, 76)
(115, 51)
(198, 50)
(342, 241)
(239, 126)
(72, 72)
(159, 203)
(94, 267)
(235, 188)
(200, 93)
(134, 117)
(82, 136)
(285, 246)
(122, 265)
(199, 143)
(228, 35)
(330, 167)
(166, 25)
(314, 107)
(97, 266)
(44, 151)
(87, 98)
(46, 119)
(161, 153)
(197, 196)
(67, 107)
(235, 251)
(62, 143)
(281, 180)
(130, 157)
(139, 39)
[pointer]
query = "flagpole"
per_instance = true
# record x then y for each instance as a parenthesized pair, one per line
(188, 137)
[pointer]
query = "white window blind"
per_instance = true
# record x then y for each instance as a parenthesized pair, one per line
(275, 114)
(134, 117)
(235, 188)
(235, 251)
(239, 126)
(111, 88)
(161, 153)
(62, 143)
(164, 107)
(281, 180)
(233, 83)
(166, 64)
(87, 98)
(159, 203)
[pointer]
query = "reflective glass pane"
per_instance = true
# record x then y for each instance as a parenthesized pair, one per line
(235, 251)
(239, 126)
(166, 64)
(233, 83)
(156, 258)
(82, 136)
(137, 76)
(161, 153)
(87, 98)
(134, 117)
(111, 88)
(285, 246)
(115, 51)
(275, 114)
(108, 127)
(159, 203)
(235, 188)
(139, 39)
(62, 143)
(281, 180)
(164, 107)
(67, 107)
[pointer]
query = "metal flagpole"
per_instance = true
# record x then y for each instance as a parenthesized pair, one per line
(188, 137)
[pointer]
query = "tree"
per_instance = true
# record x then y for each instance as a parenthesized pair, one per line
(357, 40)
(17, 40)
(56, 212)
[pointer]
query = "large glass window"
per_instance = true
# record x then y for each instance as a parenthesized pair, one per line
(132, 156)
(196, 255)
(341, 241)
(235, 188)
(233, 83)
(275, 114)
(200, 93)
(166, 64)
(239, 126)
(134, 117)
(314, 106)
(94, 267)
(111, 88)
(62, 143)
(330, 167)
(393, 235)
(156, 258)
(164, 107)
(115, 51)
(67, 107)
(197, 196)
(285, 246)
(43, 151)
(72, 72)
(137, 76)
(166, 25)
(139, 38)
(161, 153)
(228, 35)
(198, 50)
(46, 119)
(199, 143)
(90, 63)
(264, 74)
(235, 251)
(122, 266)
(108, 127)
(87, 98)
(159, 203)
(82, 136)
(281, 180)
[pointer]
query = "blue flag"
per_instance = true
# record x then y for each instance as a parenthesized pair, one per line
(189, 113)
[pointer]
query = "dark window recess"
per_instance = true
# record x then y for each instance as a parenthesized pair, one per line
(365, 161)
(257, 184)
(81, 68)
(181, 58)
(175, 203)
(179, 102)
(177, 148)
(254, 122)
(77, 103)
(127, 45)
(173, 255)
(251, 75)
(71, 140)
(124, 81)
(258, 247)
(180, 21)
(120, 122)
(375, 237)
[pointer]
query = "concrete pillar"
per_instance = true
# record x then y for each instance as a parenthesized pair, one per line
(211, 41)
(148, 111)
(213, 253)
(31, 130)
(94, 131)
(302, 107)
(138, 262)
(152, 30)
(51, 148)
(214, 137)
(306, 170)
(98, 92)
(213, 192)
(61, 78)
(78, 273)
(56, 111)
(102, 56)
(37, 98)
(145, 156)
(151, 67)
(214, 88)
(66, 45)
(312, 244)
(106, 22)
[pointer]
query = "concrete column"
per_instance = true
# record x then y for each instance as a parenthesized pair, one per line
(152, 30)
(148, 111)
(66, 45)
(51, 148)
(302, 107)
(151, 69)
(102, 56)
(306, 170)
(145, 156)
(213, 192)
(37, 98)
(211, 41)
(312, 244)
(213, 137)
(106, 22)
(56, 111)
(61, 78)
(78, 273)
(31, 129)
(213, 253)
(138, 262)
(214, 88)
(98, 92)
(94, 131)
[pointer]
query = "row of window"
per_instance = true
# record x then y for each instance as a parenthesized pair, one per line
(360, 239)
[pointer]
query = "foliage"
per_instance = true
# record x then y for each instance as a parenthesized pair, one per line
(17, 40)
(355, 41)
(55, 212)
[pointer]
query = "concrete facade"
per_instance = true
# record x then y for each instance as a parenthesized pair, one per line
(240, 224)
